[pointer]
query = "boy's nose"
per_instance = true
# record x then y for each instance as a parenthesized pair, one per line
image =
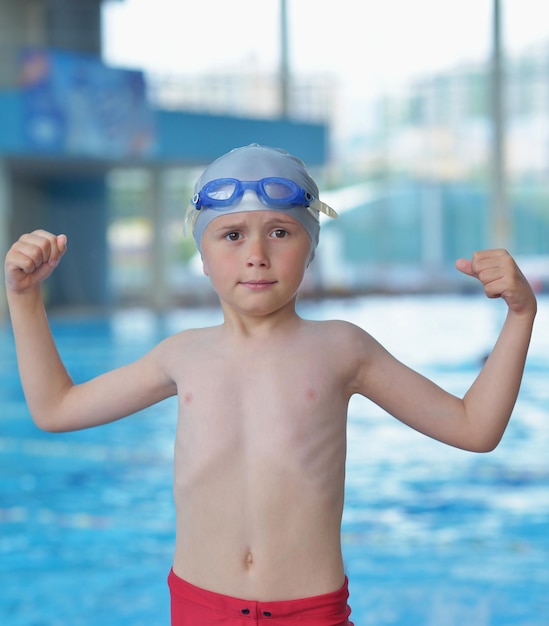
(257, 253)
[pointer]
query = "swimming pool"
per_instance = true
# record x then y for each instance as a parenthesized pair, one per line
(432, 536)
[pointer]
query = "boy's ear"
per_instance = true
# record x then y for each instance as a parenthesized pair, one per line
(205, 266)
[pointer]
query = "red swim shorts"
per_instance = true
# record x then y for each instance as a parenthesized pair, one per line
(192, 606)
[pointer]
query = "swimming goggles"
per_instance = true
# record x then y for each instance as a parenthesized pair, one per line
(279, 193)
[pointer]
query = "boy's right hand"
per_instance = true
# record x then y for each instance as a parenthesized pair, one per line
(32, 259)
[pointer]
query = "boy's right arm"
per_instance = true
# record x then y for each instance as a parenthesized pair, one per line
(55, 402)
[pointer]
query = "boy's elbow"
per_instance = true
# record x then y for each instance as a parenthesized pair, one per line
(48, 423)
(485, 444)
(46, 426)
(53, 429)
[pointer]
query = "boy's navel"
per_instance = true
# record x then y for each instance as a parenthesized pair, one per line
(249, 559)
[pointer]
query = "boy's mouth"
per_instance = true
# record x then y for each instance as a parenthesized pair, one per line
(257, 284)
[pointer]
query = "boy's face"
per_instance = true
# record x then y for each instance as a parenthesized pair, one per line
(272, 177)
(256, 259)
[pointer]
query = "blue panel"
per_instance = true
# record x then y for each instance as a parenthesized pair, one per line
(74, 104)
(190, 138)
(199, 138)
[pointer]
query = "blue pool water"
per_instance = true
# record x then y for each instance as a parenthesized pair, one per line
(432, 536)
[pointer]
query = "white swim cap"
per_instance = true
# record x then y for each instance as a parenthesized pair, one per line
(253, 163)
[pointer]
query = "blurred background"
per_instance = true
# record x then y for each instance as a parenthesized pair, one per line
(426, 125)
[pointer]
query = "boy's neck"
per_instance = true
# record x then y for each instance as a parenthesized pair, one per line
(249, 326)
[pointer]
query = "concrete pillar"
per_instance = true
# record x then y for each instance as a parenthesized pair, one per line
(78, 207)
(160, 296)
(22, 24)
(500, 235)
(73, 25)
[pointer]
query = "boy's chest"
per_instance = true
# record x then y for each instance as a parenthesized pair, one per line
(271, 399)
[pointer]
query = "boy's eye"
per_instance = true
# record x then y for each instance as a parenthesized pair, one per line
(280, 233)
(233, 236)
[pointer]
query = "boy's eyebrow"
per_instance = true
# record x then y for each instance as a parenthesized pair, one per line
(229, 225)
(239, 224)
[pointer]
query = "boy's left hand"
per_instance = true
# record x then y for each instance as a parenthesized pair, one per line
(501, 278)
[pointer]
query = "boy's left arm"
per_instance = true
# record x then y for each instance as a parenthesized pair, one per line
(477, 421)
(490, 400)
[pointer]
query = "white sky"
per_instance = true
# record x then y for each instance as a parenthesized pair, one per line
(366, 44)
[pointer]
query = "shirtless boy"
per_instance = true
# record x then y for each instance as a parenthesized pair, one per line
(261, 436)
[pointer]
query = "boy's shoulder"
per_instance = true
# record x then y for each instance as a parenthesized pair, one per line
(341, 327)
(185, 348)
(191, 336)
(338, 334)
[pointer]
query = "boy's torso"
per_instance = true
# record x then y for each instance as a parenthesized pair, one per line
(260, 463)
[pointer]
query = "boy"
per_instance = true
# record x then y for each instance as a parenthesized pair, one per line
(261, 435)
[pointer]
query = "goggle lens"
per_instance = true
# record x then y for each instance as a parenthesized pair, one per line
(219, 190)
(278, 192)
